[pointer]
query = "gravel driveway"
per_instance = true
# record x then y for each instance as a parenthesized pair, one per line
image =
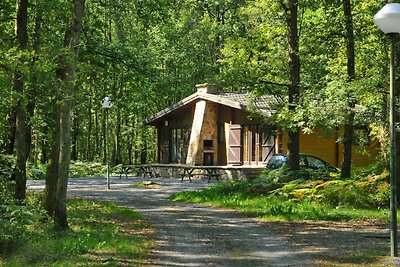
(195, 235)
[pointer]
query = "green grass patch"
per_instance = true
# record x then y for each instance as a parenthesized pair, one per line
(278, 196)
(101, 234)
(146, 184)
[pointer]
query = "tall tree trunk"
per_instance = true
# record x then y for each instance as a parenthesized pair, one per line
(50, 191)
(66, 73)
(21, 146)
(349, 127)
(294, 81)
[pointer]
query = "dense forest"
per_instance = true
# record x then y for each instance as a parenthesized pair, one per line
(60, 58)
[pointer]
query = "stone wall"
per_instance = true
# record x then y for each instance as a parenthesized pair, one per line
(204, 127)
(209, 132)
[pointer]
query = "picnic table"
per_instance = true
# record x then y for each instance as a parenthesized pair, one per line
(184, 171)
(138, 169)
(210, 172)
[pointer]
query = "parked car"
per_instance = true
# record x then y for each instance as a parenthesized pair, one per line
(308, 161)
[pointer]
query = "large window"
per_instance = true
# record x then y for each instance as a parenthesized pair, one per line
(250, 144)
(252, 150)
(179, 144)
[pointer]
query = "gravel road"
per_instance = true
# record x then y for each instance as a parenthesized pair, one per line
(196, 235)
(193, 235)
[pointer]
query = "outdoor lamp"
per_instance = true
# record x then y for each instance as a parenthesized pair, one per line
(388, 20)
(106, 104)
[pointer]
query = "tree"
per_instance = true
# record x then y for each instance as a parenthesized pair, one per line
(21, 145)
(294, 80)
(67, 75)
(349, 126)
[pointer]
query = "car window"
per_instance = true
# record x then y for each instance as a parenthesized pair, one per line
(277, 161)
(315, 163)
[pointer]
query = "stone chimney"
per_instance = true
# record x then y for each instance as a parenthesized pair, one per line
(207, 88)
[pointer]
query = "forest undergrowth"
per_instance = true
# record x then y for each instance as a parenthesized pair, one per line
(303, 195)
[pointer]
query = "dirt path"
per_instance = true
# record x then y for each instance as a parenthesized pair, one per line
(193, 235)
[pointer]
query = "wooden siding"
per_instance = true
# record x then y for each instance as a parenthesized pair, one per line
(325, 147)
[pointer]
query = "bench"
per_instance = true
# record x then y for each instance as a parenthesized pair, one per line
(210, 172)
(148, 170)
(126, 168)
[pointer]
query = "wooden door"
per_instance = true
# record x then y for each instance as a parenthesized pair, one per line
(235, 144)
(268, 144)
(251, 145)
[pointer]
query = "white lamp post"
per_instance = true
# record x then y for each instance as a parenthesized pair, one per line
(388, 20)
(106, 104)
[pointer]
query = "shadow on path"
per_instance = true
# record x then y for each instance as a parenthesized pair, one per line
(192, 235)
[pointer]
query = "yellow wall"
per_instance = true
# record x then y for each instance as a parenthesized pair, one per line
(326, 148)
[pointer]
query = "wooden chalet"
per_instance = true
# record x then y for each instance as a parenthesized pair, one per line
(217, 128)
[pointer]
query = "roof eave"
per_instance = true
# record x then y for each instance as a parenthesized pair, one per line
(188, 100)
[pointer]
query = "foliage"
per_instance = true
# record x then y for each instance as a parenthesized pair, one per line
(35, 172)
(148, 55)
(15, 217)
(99, 229)
(291, 195)
(283, 175)
(85, 169)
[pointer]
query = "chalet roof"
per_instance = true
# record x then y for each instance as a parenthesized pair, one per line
(266, 104)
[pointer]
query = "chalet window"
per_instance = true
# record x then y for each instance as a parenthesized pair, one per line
(208, 144)
(250, 144)
(179, 144)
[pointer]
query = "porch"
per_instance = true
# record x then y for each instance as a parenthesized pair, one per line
(187, 172)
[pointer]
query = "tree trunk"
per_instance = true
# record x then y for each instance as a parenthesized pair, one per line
(50, 191)
(21, 146)
(349, 127)
(66, 73)
(294, 84)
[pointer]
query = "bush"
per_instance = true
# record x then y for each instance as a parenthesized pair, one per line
(84, 169)
(284, 175)
(35, 172)
(14, 217)
(7, 165)
(368, 191)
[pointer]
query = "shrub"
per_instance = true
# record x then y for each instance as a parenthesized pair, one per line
(35, 172)
(284, 175)
(84, 169)
(14, 217)
(362, 191)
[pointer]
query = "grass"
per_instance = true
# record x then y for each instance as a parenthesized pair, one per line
(101, 234)
(236, 195)
(146, 184)
(302, 199)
